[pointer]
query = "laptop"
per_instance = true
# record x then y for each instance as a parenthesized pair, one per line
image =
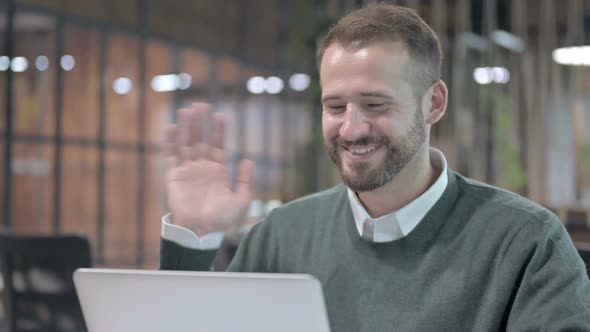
(156, 301)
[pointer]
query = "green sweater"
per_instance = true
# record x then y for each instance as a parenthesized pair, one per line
(482, 259)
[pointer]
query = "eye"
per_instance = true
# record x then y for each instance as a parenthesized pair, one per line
(376, 107)
(335, 108)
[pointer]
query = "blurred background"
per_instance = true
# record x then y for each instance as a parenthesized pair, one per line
(86, 87)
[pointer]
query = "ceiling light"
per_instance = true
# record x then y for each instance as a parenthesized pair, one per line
(274, 85)
(67, 62)
(122, 85)
(165, 83)
(572, 56)
(4, 63)
(19, 64)
(184, 81)
(299, 82)
(42, 63)
(256, 85)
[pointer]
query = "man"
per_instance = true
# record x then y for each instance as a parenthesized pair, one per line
(404, 244)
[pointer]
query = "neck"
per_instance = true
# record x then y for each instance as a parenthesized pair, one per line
(409, 184)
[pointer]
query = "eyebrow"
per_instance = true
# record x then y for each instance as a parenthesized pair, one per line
(330, 97)
(376, 94)
(363, 94)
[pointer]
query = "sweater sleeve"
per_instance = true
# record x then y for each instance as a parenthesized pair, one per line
(551, 290)
(253, 255)
(173, 256)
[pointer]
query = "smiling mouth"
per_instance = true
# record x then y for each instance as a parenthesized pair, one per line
(361, 151)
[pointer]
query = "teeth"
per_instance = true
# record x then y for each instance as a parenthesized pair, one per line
(361, 151)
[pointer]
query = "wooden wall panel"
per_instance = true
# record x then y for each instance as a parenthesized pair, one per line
(262, 39)
(2, 99)
(154, 209)
(210, 23)
(159, 104)
(34, 90)
(199, 66)
(81, 85)
(79, 203)
(228, 70)
(2, 179)
(121, 208)
(122, 111)
(32, 191)
(123, 13)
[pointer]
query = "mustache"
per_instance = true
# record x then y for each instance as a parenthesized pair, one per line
(366, 140)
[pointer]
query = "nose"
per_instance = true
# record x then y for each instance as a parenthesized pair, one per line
(355, 124)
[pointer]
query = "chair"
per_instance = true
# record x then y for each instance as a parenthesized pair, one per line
(39, 293)
(584, 250)
(576, 220)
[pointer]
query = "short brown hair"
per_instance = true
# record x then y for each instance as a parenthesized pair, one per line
(384, 22)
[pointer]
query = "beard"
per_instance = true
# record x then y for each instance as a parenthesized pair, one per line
(361, 176)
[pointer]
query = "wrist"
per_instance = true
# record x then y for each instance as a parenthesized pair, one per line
(195, 226)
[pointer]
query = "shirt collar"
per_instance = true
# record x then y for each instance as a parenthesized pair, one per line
(401, 222)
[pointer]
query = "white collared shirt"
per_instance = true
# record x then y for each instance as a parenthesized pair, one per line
(387, 228)
(187, 238)
(400, 223)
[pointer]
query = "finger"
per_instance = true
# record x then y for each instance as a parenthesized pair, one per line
(191, 134)
(183, 133)
(199, 129)
(171, 162)
(169, 150)
(245, 178)
(217, 151)
(200, 150)
(217, 155)
(169, 140)
(200, 113)
(188, 153)
(219, 124)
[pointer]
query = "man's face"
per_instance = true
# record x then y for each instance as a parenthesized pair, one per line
(373, 125)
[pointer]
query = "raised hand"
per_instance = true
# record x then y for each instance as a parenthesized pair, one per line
(200, 195)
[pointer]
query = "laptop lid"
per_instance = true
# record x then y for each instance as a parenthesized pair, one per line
(150, 301)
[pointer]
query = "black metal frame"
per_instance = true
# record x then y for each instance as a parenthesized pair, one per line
(7, 215)
(58, 129)
(144, 7)
(100, 225)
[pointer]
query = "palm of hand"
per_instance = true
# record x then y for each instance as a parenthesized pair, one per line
(200, 195)
(200, 190)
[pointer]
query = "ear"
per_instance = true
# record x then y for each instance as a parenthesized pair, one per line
(437, 105)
